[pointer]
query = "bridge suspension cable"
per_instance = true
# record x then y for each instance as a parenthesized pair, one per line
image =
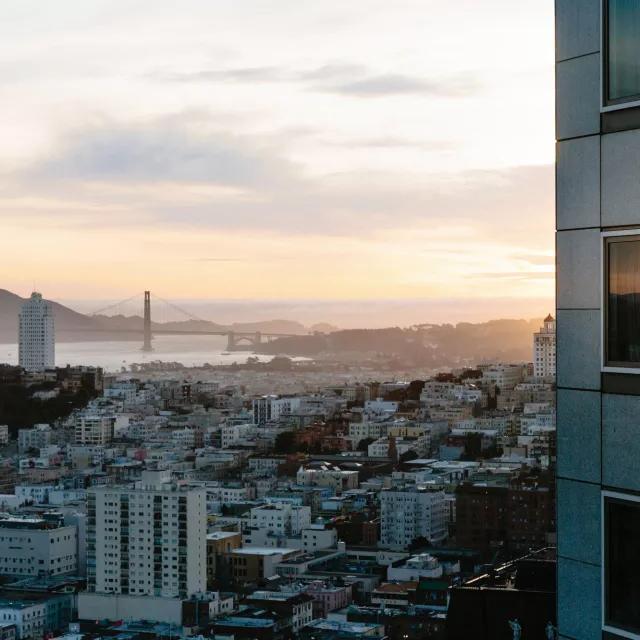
(115, 305)
(175, 307)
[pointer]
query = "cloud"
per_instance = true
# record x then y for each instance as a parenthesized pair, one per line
(393, 142)
(515, 275)
(174, 174)
(392, 84)
(163, 151)
(240, 75)
(347, 79)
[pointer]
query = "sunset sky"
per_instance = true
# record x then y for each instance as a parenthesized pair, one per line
(277, 149)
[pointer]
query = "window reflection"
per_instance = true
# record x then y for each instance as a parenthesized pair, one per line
(622, 565)
(623, 312)
(623, 21)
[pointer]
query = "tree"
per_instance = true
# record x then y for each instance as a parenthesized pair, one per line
(363, 445)
(285, 442)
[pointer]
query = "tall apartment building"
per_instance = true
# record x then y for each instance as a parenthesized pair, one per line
(94, 430)
(36, 334)
(598, 317)
(411, 512)
(37, 547)
(147, 540)
(544, 349)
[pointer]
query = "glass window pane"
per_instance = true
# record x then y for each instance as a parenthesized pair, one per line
(623, 565)
(624, 49)
(623, 305)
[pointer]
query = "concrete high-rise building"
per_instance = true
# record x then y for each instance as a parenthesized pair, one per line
(147, 540)
(36, 334)
(411, 512)
(544, 349)
(598, 317)
(94, 429)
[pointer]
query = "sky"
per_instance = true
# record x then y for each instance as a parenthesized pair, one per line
(278, 149)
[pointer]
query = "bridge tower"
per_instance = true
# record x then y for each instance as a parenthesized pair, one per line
(147, 346)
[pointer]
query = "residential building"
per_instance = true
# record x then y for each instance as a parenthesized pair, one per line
(35, 546)
(36, 334)
(29, 617)
(544, 350)
(296, 605)
(281, 518)
(411, 512)
(94, 429)
(148, 539)
(272, 408)
(37, 438)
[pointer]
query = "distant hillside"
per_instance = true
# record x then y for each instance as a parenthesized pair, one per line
(72, 326)
(428, 345)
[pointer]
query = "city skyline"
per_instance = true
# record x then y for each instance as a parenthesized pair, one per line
(276, 153)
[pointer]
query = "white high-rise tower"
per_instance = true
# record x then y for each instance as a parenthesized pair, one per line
(544, 350)
(37, 334)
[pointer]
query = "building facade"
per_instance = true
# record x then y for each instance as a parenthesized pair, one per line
(36, 334)
(544, 349)
(409, 513)
(37, 547)
(147, 540)
(598, 317)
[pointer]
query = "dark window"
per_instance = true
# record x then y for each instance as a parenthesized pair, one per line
(622, 283)
(622, 564)
(622, 70)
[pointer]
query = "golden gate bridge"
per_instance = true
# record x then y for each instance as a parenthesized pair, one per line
(236, 340)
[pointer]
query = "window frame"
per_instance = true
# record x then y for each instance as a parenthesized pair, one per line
(607, 238)
(608, 497)
(605, 103)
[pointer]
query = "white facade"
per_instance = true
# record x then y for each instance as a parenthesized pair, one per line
(147, 540)
(272, 408)
(94, 430)
(36, 334)
(31, 547)
(36, 438)
(281, 519)
(410, 513)
(544, 350)
(504, 376)
(30, 618)
(422, 566)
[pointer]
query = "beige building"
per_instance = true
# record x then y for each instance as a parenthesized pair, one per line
(147, 540)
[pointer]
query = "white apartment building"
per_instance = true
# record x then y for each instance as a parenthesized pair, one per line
(94, 429)
(281, 518)
(234, 434)
(29, 618)
(544, 349)
(36, 334)
(36, 438)
(37, 547)
(4, 434)
(325, 476)
(147, 540)
(222, 493)
(503, 376)
(381, 407)
(380, 448)
(364, 430)
(411, 512)
(272, 408)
